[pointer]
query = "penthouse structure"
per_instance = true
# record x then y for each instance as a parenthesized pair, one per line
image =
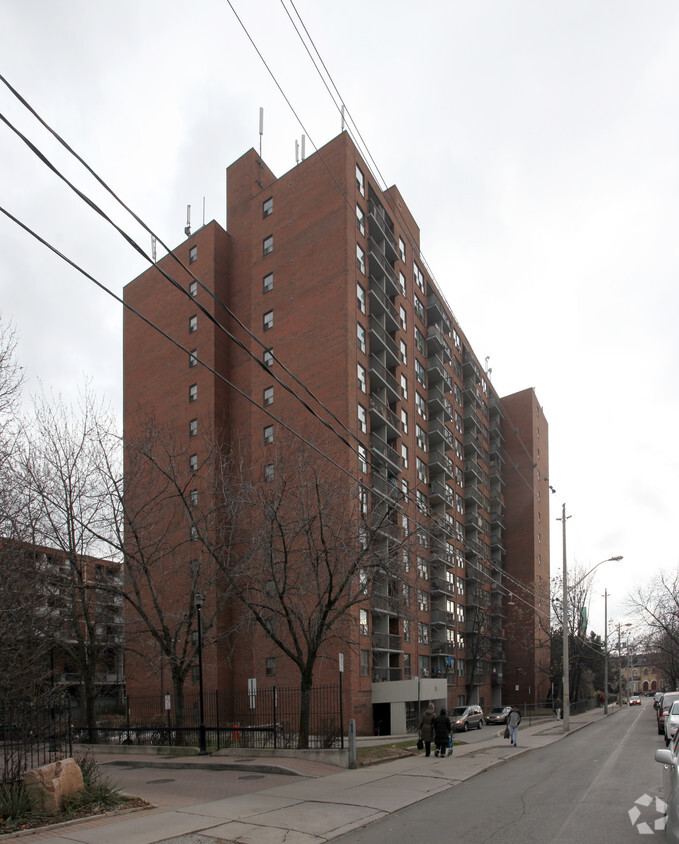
(325, 269)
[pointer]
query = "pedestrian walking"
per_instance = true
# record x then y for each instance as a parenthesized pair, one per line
(427, 727)
(513, 723)
(442, 731)
(557, 708)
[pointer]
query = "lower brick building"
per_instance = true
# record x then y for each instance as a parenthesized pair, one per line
(315, 311)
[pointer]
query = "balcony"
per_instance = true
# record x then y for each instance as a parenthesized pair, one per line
(474, 548)
(438, 342)
(442, 551)
(440, 618)
(379, 230)
(381, 305)
(438, 403)
(380, 375)
(381, 414)
(386, 642)
(436, 311)
(386, 675)
(386, 487)
(384, 604)
(380, 340)
(439, 584)
(470, 367)
(383, 452)
(439, 433)
(436, 369)
(438, 462)
(380, 268)
(474, 447)
(440, 492)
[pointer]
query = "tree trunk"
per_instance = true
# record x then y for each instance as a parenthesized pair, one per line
(304, 710)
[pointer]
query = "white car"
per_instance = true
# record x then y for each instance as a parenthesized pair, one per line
(669, 757)
(671, 722)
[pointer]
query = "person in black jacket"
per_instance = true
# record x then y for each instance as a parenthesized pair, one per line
(442, 730)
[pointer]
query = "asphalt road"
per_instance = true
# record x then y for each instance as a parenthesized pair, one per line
(576, 790)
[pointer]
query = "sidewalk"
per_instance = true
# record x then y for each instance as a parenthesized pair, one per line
(323, 803)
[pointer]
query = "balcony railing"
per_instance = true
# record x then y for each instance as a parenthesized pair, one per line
(383, 450)
(386, 642)
(379, 371)
(383, 412)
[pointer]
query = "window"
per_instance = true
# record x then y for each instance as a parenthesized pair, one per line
(193, 289)
(360, 298)
(193, 497)
(404, 421)
(193, 463)
(404, 386)
(268, 434)
(404, 352)
(267, 245)
(421, 437)
(422, 568)
(271, 666)
(402, 249)
(457, 393)
(267, 207)
(459, 531)
(402, 283)
(421, 470)
(456, 340)
(365, 663)
(193, 254)
(268, 320)
(360, 219)
(406, 629)
(193, 427)
(193, 533)
(363, 459)
(420, 373)
(193, 358)
(267, 282)
(360, 259)
(422, 600)
(423, 634)
(459, 503)
(268, 396)
(460, 613)
(267, 357)
(363, 500)
(406, 595)
(419, 309)
(420, 342)
(422, 538)
(421, 405)
(419, 277)
(268, 473)
(360, 181)
(363, 622)
(421, 501)
(362, 384)
(458, 423)
(193, 392)
(460, 585)
(405, 559)
(459, 450)
(404, 455)
(362, 420)
(360, 336)
(193, 323)
(403, 317)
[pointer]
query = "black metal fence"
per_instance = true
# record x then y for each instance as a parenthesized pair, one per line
(33, 734)
(265, 718)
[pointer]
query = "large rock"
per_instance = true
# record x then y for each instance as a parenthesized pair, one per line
(48, 785)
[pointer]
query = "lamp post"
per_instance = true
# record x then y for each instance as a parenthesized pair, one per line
(566, 689)
(605, 651)
(198, 600)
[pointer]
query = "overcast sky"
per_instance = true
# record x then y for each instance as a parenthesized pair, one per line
(536, 144)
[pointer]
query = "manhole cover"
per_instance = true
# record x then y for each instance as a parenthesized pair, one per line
(252, 777)
(157, 782)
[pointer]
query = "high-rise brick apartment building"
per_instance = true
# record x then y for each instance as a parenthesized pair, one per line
(325, 268)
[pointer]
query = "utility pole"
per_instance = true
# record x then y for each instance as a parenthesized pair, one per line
(605, 651)
(566, 686)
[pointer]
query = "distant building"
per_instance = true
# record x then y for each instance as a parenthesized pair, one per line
(325, 268)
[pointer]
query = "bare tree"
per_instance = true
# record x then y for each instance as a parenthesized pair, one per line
(303, 551)
(658, 605)
(63, 510)
(158, 513)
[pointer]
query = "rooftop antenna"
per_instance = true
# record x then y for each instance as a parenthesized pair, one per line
(203, 211)
(187, 227)
(343, 117)
(303, 142)
(261, 129)
(153, 247)
(296, 152)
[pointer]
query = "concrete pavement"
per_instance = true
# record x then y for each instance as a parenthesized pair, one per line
(320, 801)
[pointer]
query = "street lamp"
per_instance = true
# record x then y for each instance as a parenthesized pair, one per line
(566, 689)
(198, 600)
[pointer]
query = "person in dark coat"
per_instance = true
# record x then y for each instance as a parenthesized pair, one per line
(427, 728)
(442, 731)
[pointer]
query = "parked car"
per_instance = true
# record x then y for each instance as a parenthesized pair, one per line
(634, 700)
(665, 705)
(464, 718)
(657, 697)
(671, 722)
(669, 757)
(498, 715)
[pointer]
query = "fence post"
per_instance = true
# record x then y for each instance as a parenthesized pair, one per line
(275, 719)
